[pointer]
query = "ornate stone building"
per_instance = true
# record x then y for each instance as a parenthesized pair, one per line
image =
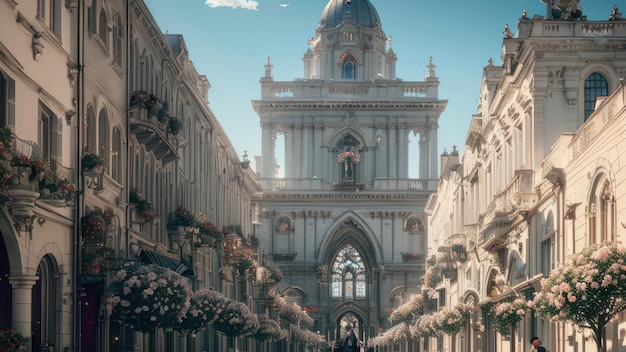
(540, 177)
(346, 223)
(111, 134)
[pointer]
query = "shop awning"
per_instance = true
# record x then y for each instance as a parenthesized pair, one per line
(151, 257)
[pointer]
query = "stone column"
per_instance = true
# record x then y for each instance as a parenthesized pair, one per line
(433, 169)
(22, 303)
(268, 145)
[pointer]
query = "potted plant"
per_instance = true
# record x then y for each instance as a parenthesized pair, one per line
(91, 161)
(143, 207)
(58, 188)
(181, 217)
(173, 125)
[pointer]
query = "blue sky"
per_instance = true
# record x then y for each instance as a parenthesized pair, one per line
(229, 42)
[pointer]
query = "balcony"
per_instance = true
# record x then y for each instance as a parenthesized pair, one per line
(317, 184)
(151, 124)
(284, 257)
(516, 199)
(325, 91)
(412, 258)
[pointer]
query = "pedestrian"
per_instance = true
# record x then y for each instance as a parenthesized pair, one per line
(350, 341)
(536, 345)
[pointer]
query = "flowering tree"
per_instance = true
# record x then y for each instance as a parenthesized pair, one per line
(507, 314)
(293, 314)
(151, 297)
(424, 327)
(452, 320)
(307, 337)
(589, 290)
(236, 320)
(269, 330)
(393, 336)
(409, 311)
(204, 308)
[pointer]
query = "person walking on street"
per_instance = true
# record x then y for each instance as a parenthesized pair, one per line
(536, 345)
(350, 342)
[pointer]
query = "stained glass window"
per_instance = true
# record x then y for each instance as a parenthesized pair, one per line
(348, 274)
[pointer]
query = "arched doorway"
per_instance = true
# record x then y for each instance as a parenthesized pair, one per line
(5, 288)
(350, 320)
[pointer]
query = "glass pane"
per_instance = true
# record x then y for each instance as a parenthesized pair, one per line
(349, 289)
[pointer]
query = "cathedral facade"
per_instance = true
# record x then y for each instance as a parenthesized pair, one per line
(343, 217)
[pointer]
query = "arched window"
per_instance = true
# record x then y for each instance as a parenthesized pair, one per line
(348, 62)
(103, 29)
(348, 274)
(413, 224)
(116, 155)
(91, 17)
(284, 224)
(104, 147)
(601, 212)
(45, 304)
(595, 86)
(48, 135)
(348, 158)
(7, 100)
(90, 131)
(348, 70)
(118, 34)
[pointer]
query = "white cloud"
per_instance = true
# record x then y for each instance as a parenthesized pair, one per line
(244, 4)
(283, 5)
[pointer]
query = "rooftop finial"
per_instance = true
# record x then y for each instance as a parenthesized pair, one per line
(268, 68)
(431, 68)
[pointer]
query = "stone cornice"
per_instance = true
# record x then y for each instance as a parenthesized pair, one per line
(344, 196)
(364, 105)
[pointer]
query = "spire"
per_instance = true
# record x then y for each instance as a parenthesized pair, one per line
(431, 68)
(268, 70)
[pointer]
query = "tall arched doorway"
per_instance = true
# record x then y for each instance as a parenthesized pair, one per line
(5, 288)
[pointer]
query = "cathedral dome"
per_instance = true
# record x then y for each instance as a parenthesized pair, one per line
(362, 12)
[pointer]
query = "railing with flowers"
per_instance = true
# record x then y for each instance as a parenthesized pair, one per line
(21, 166)
(238, 255)
(209, 233)
(349, 186)
(181, 218)
(151, 122)
(412, 257)
(142, 208)
(58, 187)
(95, 227)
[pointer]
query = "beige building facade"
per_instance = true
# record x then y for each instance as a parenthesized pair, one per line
(107, 120)
(539, 179)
